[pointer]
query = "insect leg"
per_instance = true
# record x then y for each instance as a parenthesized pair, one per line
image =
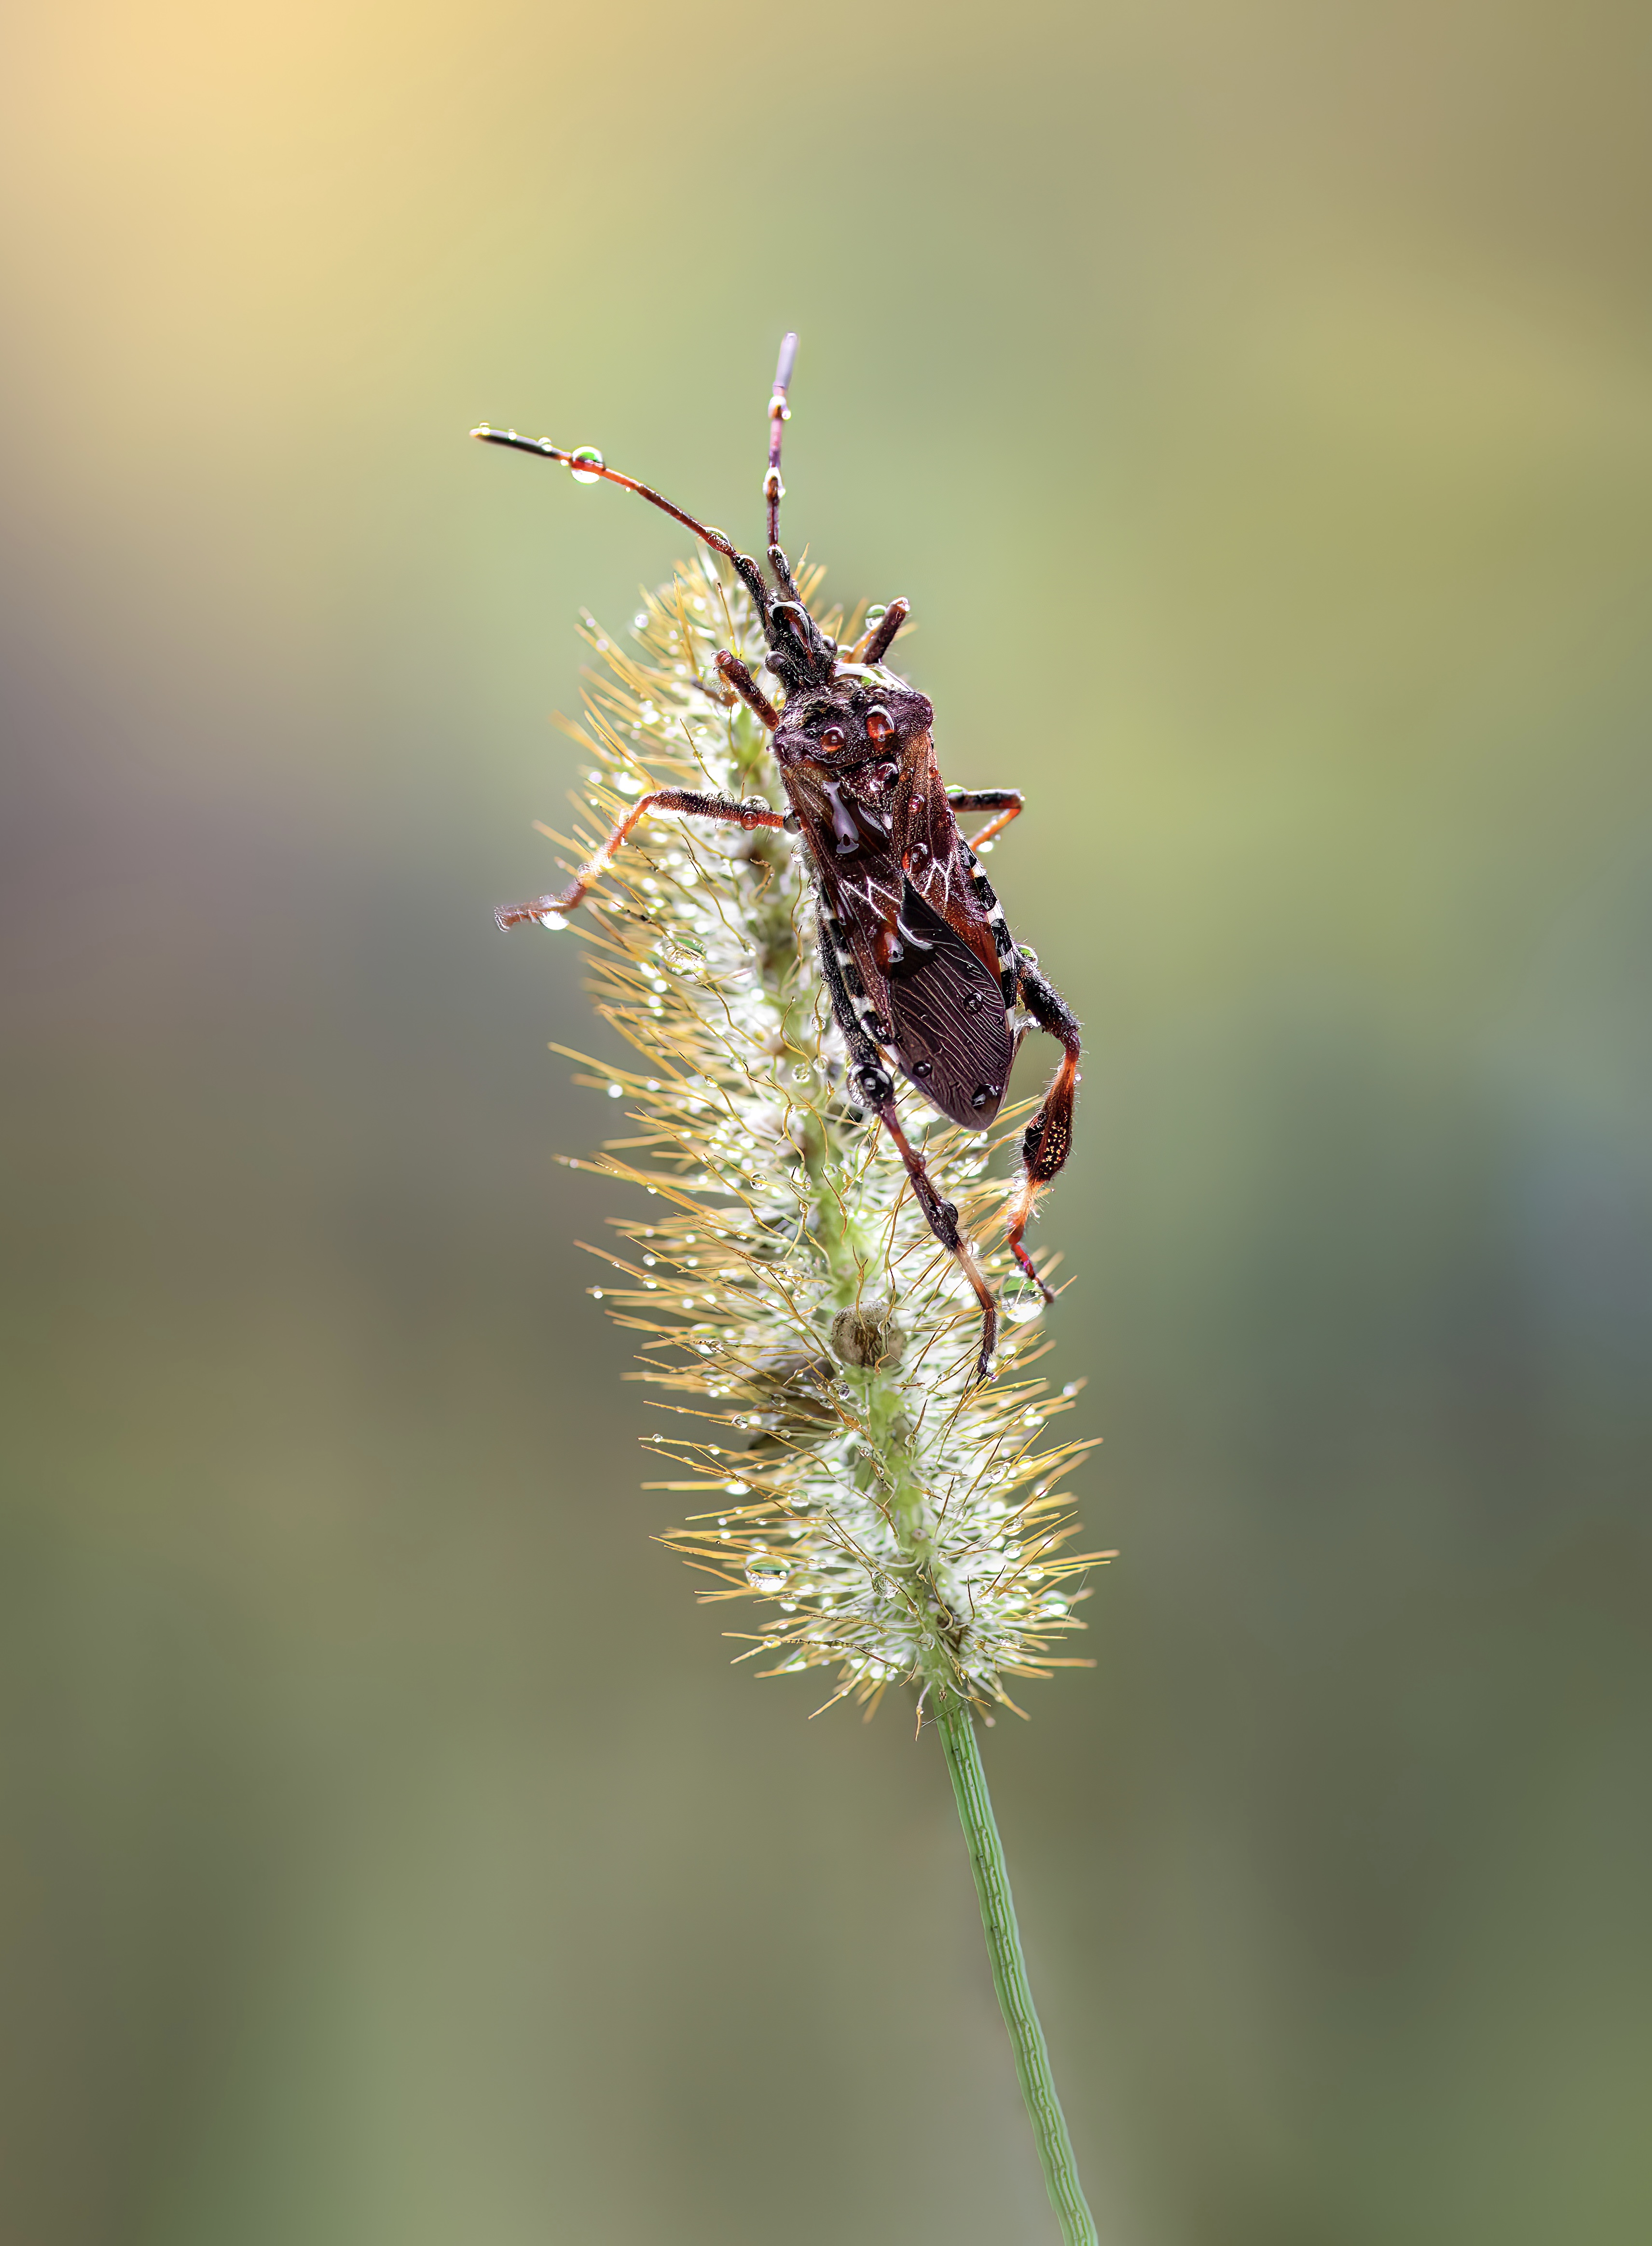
(749, 815)
(1048, 1139)
(873, 645)
(876, 1088)
(730, 668)
(1008, 801)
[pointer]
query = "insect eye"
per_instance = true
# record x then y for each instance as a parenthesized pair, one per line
(879, 724)
(833, 738)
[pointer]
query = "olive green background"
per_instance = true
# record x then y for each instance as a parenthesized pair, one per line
(1254, 402)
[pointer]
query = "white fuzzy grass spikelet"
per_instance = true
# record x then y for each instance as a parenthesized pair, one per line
(878, 1516)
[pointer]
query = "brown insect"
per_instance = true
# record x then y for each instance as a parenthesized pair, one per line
(921, 968)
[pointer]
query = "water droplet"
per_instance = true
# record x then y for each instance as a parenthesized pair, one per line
(765, 1573)
(551, 920)
(803, 1073)
(590, 474)
(596, 1292)
(923, 1068)
(875, 615)
(617, 1092)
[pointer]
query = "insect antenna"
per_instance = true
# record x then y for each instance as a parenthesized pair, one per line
(817, 654)
(588, 466)
(801, 654)
(790, 610)
(779, 414)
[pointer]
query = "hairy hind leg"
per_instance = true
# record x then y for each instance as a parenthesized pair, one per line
(548, 910)
(876, 1086)
(1047, 1140)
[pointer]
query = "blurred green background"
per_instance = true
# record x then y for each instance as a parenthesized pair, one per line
(1255, 403)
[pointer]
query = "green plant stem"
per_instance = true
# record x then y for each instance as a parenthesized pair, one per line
(1009, 1970)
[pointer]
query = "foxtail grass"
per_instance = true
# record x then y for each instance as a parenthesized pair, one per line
(860, 1504)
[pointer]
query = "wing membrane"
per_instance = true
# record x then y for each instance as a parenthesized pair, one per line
(950, 1032)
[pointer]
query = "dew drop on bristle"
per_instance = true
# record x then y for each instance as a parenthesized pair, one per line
(551, 920)
(766, 1575)
(590, 473)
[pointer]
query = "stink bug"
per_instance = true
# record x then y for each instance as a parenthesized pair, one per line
(922, 970)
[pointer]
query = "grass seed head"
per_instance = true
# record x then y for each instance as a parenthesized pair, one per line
(876, 1514)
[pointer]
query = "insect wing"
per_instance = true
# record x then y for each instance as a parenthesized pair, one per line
(947, 1016)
